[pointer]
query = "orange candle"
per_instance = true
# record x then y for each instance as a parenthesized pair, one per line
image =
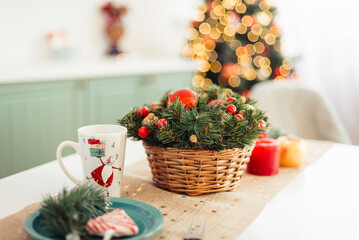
(292, 151)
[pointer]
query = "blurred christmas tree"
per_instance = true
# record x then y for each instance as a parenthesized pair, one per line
(237, 44)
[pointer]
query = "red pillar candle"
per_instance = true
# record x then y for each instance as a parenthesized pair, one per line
(264, 160)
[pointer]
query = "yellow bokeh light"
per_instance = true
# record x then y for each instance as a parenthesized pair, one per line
(215, 33)
(256, 29)
(250, 1)
(264, 18)
(228, 38)
(220, 27)
(229, 31)
(204, 28)
(250, 74)
(234, 81)
(284, 72)
(188, 52)
(197, 81)
(250, 49)
(198, 16)
(245, 59)
(214, 3)
(222, 81)
(198, 40)
(279, 78)
(264, 62)
(256, 61)
(232, 16)
(227, 92)
(203, 66)
(219, 10)
(241, 51)
(234, 44)
(203, 8)
(224, 20)
(241, 28)
(207, 83)
(199, 49)
(210, 45)
(275, 31)
(213, 15)
(270, 39)
(252, 37)
(265, 72)
(216, 67)
(213, 56)
(264, 5)
(241, 8)
(229, 4)
(277, 46)
(287, 64)
(259, 47)
(192, 34)
(247, 20)
(237, 69)
(264, 32)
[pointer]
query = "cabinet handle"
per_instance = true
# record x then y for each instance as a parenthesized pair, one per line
(147, 79)
(82, 83)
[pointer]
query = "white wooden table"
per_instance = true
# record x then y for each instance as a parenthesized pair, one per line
(321, 203)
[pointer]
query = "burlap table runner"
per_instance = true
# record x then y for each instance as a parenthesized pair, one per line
(227, 213)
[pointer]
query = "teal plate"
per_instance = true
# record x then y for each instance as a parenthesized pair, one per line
(148, 219)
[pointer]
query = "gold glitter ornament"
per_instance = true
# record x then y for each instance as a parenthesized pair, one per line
(193, 138)
(150, 119)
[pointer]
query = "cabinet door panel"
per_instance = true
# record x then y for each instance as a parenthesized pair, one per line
(34, 119)
(153, 87)
(111, 99)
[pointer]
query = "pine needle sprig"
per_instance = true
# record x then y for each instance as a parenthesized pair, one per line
(68, 213)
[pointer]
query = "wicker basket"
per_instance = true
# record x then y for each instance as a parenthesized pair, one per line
(196, 172)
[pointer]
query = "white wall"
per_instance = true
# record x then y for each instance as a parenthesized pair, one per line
(153, 27)
(323, 34)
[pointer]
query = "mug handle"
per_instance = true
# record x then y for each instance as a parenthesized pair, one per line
(62, 145)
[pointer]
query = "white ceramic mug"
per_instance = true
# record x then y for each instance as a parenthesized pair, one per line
(102, 149)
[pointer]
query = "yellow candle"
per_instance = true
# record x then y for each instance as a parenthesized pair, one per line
(292, 151)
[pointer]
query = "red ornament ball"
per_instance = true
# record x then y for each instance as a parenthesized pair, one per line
(187, 97)
(231, 109)
(230, 99)
(262, 124)
(162, 122)
(215, 102)
(143, 132)
(240, 116)
(143, 111)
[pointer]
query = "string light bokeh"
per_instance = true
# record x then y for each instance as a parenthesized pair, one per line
(236, 43)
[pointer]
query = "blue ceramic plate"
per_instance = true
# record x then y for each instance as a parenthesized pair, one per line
(148, 219)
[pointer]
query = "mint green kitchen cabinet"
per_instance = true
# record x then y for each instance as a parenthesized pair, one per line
(36, 117)
(154, 87)
(109, 99)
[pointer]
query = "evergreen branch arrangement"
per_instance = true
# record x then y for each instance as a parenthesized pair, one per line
(68, 213)
(212, 119)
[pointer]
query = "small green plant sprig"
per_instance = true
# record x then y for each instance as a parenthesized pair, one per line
(68, 213)
(213, 127)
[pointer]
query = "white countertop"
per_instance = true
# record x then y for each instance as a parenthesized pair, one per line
(321, 203)
(107, 67)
